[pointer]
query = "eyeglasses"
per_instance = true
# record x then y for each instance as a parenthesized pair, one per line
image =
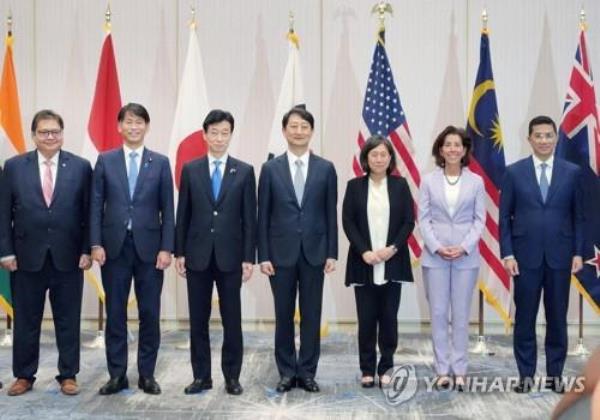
(45, 134)
(542, 136)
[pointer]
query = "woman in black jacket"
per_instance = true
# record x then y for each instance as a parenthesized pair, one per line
(378, 219)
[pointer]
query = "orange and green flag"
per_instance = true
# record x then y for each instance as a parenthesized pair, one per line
(12, 141)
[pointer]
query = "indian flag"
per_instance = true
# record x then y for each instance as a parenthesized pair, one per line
(12, 141)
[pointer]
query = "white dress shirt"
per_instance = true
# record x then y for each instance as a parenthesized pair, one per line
(292, 158)
(378, 216)
(53, 168)
(138, 158)
(537, 164)
(211, 164)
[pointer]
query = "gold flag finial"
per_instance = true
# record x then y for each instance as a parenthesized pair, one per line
(484, 21)
(381, 8)
(291, 21)
(582, 19)
(9, 22)
(292, 36)
(193, 23)
(107, 18)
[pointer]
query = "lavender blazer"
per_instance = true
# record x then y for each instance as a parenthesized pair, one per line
(464, 228)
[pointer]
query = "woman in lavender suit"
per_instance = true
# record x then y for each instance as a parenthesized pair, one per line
(451, 218)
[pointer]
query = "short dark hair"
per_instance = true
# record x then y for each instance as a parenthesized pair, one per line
(216, 116)
(539, 120)
(135, 109)
(371, 143)
(439, 143)
(46, 114)
(299, 110)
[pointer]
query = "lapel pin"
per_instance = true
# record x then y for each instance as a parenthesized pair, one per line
(63, 165)
(232, 170)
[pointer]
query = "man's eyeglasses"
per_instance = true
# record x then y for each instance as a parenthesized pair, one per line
(45, 134)
(542, 136)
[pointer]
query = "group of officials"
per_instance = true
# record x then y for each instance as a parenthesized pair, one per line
(57, 216)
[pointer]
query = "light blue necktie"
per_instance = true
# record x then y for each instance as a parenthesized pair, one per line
(216, 179)
(544, 182)
(299, 181)
(133, 172)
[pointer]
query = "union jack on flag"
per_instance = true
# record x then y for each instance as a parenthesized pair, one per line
(579, 142)
(382, 114)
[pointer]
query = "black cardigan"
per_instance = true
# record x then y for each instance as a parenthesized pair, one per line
(356, 227)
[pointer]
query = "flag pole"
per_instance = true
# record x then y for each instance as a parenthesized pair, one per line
(7, 341)
(186, 345)
(481, 347)
(580, 349)
(99, 342)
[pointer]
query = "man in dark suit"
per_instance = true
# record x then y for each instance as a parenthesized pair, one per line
(44, 242)
(297, 242)
(215, 242)
(132, 234)
(541, 242)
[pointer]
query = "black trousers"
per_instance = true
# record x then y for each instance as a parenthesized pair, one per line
(29, 295)
(200, 288)
(116, 279)
(377, 309)
(527, 295)
(285, 284)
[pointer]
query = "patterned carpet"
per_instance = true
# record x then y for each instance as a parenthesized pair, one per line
(341, 395)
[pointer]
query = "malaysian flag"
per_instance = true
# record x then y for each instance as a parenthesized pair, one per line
(382, 114)
(483, 127)
(579, 142)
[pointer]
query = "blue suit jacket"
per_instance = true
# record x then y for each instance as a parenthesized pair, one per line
(150, 211)
(532, 230)
(226, 225)
(29, 229)
(285, 227)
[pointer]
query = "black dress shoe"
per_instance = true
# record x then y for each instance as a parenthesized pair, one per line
(524, 386)
(114, 385)
(149, 385)
(556, 384)
(233, 387)
(285, 384)
(198, 386)
(308, 384)
(367, 383)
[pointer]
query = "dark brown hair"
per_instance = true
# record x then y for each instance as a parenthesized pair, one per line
(439, 143)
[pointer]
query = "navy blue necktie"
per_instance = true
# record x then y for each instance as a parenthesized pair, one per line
(216, 179)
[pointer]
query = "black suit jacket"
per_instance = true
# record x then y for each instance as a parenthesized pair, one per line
(285, 227)
(226, 226)
(356, 225)
(29, 229)
(151, 210)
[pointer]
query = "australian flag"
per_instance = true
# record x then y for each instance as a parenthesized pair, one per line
(579, 142)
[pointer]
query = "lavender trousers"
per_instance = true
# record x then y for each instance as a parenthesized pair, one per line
(449, 292)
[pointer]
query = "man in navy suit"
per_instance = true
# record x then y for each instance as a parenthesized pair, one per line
(215, 242)
(541, 243)
(132, 234)
(44, 243)
(297, 242)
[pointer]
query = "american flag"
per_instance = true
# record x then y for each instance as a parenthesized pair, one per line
(579, 142)
(483, 127)
(382, 114)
